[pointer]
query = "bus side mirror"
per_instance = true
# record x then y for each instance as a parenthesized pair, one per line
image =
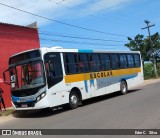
(6, 77)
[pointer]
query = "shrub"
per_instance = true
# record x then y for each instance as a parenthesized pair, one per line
(158, 69)
(148, 71)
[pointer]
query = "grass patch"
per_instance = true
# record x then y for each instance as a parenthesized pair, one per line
(6, 112)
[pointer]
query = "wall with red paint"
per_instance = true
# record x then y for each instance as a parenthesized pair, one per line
(14, 39)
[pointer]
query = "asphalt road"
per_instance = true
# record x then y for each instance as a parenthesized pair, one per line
(139, 109)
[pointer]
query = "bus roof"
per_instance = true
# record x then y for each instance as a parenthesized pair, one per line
(60, 49)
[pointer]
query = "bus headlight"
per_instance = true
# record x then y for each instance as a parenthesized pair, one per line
(38, 98)
(41, 96)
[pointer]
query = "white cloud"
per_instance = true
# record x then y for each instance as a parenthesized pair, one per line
(54, 9)
(103, 5)
(46, 8)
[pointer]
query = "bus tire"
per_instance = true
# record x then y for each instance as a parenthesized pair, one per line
(73, 100)
(123, 87)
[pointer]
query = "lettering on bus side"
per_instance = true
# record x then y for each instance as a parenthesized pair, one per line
(103, 74)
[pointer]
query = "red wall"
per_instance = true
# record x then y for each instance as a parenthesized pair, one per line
(14, 39)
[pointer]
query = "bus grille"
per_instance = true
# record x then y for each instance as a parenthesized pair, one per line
(23, 105)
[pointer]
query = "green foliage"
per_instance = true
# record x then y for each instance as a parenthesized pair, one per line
(139, 43)
(150, 51)
(148, 71)
(158, 69)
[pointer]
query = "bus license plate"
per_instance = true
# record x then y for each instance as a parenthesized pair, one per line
(24, 105)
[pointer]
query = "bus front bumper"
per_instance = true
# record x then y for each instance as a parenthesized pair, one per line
(43, 103)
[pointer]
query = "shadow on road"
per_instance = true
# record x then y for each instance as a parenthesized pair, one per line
(38, 113)
(50, 112)
(105, 97)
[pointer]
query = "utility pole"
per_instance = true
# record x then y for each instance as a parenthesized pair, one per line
(152, 50)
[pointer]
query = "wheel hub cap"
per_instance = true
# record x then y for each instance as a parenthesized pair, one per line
(74, 100)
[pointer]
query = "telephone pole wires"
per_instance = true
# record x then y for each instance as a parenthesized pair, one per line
(152, 49)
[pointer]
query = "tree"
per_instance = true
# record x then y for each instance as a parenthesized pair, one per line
(138, 44)
(156, 46)
(150, 50)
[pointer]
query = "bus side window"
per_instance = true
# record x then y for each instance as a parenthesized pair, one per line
(83, 62)
(123, 61)
(94, 62)
(115, 61)
(105, 61)
(130, 60)
(71, 63)
(137, 60)
(53, 68)
(50, 69)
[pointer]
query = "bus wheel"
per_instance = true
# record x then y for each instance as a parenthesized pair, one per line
(73, 100)
(123, 87)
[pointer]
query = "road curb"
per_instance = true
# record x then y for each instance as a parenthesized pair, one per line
(150, 81)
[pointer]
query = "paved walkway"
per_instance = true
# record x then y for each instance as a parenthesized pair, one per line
(150, 81)
(6, 118)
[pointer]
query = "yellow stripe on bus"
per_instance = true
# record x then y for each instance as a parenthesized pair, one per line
(101, 74)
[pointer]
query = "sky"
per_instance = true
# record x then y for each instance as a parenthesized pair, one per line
(84, 24)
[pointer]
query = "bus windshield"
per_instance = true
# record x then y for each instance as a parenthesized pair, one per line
(26, 76)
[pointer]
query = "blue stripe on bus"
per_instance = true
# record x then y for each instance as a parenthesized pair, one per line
(18, 99)
(131, 76)
(15, 99)
(85, 51)
(103, 82)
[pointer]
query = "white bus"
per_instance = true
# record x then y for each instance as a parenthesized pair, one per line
(50, 77)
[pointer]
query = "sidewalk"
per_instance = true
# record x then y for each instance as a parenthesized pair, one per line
(6, 112)
(4, 119)
(150, 81)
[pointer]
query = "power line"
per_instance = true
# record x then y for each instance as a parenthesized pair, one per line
(86, 38)
(17, 33)
(82, 43)
(57, 2)
(67, 24)
(111, 20)
(75, 42)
